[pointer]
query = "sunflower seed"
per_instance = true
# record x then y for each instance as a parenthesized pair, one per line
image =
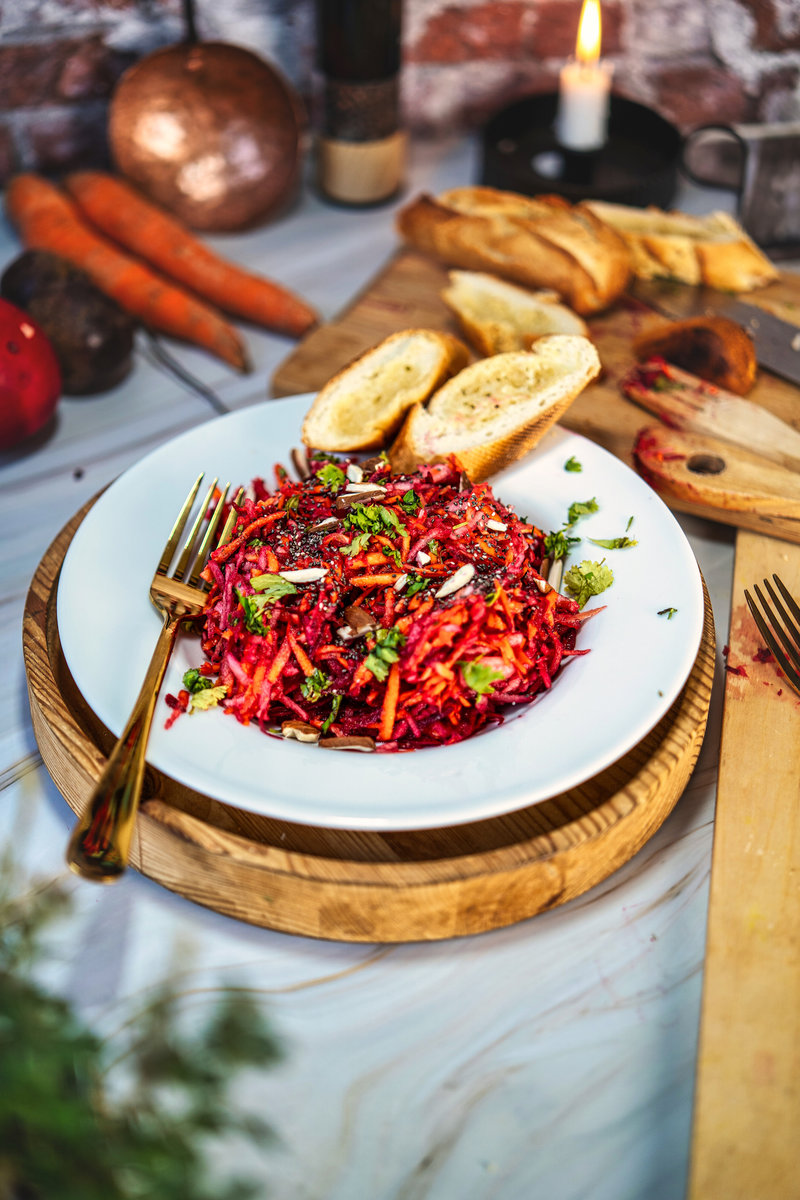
(500, 526)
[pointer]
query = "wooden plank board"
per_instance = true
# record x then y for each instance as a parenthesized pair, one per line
(405, 294)
(747, 1109)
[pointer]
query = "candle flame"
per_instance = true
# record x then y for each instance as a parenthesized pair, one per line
(587, 49)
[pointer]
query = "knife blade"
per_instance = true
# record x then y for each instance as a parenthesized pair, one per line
(777, 342)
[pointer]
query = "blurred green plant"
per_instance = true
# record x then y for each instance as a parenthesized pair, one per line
(67, 1134)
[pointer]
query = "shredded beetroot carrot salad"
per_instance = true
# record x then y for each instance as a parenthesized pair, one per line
(368, 610)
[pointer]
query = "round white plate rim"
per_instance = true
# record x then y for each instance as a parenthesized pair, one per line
(475, 780)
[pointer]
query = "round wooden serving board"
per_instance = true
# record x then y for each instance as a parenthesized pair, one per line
(366, 887)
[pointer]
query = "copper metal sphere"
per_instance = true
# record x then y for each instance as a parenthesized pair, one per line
(210, 131)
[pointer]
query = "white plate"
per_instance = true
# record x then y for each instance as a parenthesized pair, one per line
(599, 707)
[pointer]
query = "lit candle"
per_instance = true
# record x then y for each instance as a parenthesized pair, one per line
(584, 88)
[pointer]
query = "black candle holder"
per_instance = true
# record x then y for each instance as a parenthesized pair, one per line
(637, 165)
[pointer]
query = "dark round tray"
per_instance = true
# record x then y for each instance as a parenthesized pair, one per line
(638, 165)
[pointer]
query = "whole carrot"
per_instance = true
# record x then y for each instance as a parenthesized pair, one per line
(145, 229)
(46, 219)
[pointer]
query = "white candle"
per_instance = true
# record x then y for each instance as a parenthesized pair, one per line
(584, 88)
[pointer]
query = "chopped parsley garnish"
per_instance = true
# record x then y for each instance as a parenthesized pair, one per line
(480, 677)
(314, 685)
(669, 613)
(581, 508)
(387, 643)
(332, 476)
(253, 607)
(358, 544)
(332, 715)
(208, 698)
(588, 579)
(374, 518)
(272, 587)
(630, 522)
(415, 584)
(617, 543)
(194, 681)
(410, 501)
(572, 464)
(559, 544)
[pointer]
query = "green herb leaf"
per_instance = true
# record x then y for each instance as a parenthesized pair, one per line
(253, 607)
(387, 645)
(415, 584)
(314, 685)
(358, 544)
(572, 464)
(559, 544)
(480, 677)
(581, 508)
(208, 698)
(332, 715)
(617, 543)
(588, 579)
(195, 682)
(332, 476)
(374, 518)
(271, 586)
(410, 501)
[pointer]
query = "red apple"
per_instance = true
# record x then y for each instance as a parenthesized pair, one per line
(30, 378)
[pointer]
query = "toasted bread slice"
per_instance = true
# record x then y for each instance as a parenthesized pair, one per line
(496, 316)
(713, 250)
(496, 410)
(715, 349)
(538, 241)
(363, 405)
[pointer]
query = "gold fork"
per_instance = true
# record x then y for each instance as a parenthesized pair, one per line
(100, 844)
(782, 640)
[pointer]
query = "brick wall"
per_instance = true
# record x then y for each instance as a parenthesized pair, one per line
(693, 60)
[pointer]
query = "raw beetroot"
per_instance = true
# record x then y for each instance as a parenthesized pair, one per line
(30, 378)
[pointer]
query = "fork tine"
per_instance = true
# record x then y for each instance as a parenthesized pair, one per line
(202, 552)
(224, 537)
(778, 629)
(792, 675)
(187, 553)
(177, 528)
(789, 598)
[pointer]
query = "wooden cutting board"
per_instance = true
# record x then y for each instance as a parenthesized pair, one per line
(405, 294)
(747, 1109)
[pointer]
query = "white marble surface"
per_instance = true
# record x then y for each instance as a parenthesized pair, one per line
(551, 1059)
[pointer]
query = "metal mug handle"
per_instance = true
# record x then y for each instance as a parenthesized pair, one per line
(694, 138)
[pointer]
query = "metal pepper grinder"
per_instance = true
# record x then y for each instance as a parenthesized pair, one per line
(360, 145)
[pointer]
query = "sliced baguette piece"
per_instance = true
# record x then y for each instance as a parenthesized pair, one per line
(362, 406)
(715, 349)
(496, 316)
(497, 409)
(713, 249)
(538, 241)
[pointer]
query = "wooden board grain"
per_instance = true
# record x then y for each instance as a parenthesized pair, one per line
(405, 294)
(747, 1108)
(356, 886)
